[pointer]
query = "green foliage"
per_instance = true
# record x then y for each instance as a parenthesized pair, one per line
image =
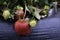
(31, 3)
(1, 1)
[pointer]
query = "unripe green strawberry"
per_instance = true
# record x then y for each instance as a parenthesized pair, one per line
(6, 14)
(46, 7)
(4, 3)
(33, 23)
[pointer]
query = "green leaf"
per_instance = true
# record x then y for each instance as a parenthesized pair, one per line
(35, 12)
(1, 1)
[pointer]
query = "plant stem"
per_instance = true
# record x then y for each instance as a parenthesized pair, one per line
(25, 12)
(15, 2)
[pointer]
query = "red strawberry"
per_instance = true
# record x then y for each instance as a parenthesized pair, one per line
(22, 27)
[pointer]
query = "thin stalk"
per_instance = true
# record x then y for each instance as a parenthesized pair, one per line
(31, 2)
(7, 5)
(25, 12)
(15, 2)
(33, 13)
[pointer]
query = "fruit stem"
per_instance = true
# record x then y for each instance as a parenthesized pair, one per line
(33, 17)
(15, 2)
(25, 12)
(33, 13)
(8, 4)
